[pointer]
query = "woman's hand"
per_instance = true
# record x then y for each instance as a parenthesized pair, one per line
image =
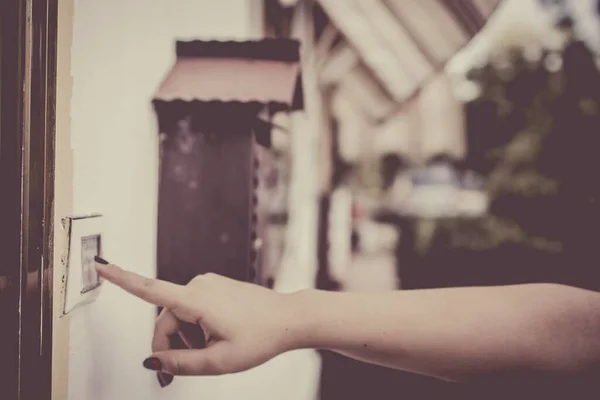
(245, 325)
(453, 334)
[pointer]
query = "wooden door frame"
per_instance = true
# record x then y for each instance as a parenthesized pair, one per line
(28, 44)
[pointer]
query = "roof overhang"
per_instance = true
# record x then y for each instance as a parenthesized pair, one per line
(405, 43)
(253, 73)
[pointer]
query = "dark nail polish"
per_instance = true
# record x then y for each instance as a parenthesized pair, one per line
(153, 364)
(100, 260)
(164, 379)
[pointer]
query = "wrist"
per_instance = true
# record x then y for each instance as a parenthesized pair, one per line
(305, 318)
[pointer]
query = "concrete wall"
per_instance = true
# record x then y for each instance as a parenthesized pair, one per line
(120, 52)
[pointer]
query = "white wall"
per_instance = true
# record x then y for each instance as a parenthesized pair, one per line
(63, 196)
(121, 51)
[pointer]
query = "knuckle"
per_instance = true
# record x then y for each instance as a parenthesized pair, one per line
(204, 278)
(190, 292)
(198, 279)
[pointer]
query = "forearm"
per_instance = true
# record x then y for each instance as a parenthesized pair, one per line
(457, 333)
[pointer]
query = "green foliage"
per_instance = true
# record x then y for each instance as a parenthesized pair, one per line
(534, 134)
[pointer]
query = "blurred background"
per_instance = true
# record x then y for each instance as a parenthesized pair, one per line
(441, 143)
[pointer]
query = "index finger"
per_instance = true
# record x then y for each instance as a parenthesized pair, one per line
(154, 291)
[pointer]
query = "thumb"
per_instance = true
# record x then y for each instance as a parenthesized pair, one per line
(212, 360)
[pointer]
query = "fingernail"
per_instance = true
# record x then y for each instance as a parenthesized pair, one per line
(152, 363)
(164, 379)
(100, 260)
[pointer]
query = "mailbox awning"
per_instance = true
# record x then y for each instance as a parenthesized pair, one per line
(257, 72)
